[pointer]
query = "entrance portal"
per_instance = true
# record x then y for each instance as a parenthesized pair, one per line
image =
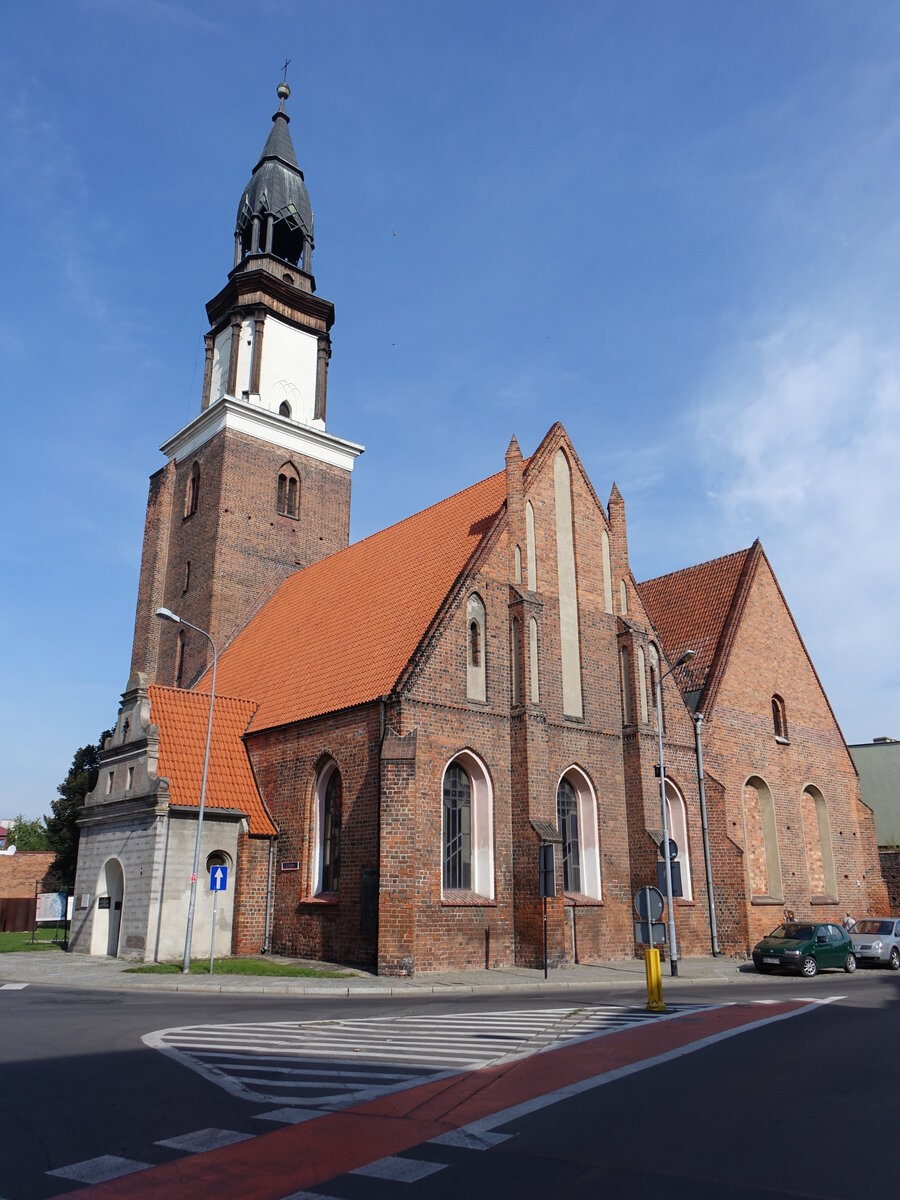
(108, 914)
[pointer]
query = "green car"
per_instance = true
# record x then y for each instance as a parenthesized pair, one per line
(806, 948)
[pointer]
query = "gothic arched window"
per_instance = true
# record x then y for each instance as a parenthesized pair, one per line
(779, 718)
(329, 805)
(287, 503)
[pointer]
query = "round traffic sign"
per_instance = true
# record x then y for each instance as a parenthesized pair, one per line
(673, 849)
(648, 903)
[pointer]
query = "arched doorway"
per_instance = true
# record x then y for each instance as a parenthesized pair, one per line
(108, 913)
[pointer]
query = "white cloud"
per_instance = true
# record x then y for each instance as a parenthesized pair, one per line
(800, 441)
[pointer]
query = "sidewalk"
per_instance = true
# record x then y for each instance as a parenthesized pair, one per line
(52, 968)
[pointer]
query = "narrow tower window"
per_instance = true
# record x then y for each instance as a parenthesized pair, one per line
(192, 493)
(179, 658)
(476, 687)
(779, 720)
(287, 501)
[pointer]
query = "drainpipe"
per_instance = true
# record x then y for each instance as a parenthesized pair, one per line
(269, 896)
(713, 932)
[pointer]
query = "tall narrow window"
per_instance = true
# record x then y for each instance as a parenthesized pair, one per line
(567, 823)
(467, 839)
(654, 679)
(179, 658)
(516, 656)
(457, 872)
(819, 852)
(330, 814)
(287, 501)
(187, 576)
(607, 573)
(642, 684)
(678, 831)
(192, 492)
(627, 700)
(518, 564)
(475, 649)
(530, 550)
(761, 841)
(533, 661)
(623, 597)
(779, 720)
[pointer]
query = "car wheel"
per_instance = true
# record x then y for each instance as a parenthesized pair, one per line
(809, 967)
(894, 960)
(850, 964)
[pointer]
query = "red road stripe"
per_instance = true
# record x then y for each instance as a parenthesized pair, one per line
(272, 1165)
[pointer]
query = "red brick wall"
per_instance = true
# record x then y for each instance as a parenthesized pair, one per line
(250, 891)
(890, 869)
(19, 873)
(287, 762)
(238, 546)
(767, 657)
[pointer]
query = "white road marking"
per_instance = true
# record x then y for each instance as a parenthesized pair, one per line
(332, 1064)
(464, 1139)
(12, 987)
(399, 1170)
(204, 1139)
(289, 1116)
(98, 1170)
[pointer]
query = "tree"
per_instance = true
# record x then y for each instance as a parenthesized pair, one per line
(62, 824)
(27, 834)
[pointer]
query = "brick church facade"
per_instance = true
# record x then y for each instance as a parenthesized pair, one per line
(400, 724)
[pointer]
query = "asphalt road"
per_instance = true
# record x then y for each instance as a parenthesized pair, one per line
(795, 1107)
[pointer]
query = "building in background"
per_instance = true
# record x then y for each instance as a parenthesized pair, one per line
(878, 764)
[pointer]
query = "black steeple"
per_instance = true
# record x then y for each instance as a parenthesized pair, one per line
(275, 216)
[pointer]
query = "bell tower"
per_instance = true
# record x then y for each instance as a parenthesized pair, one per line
(255, 487)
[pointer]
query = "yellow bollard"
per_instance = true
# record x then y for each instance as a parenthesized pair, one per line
(654, 982)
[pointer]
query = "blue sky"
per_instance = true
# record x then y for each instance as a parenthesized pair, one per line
(672, 226)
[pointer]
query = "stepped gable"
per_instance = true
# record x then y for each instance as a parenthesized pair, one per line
(182, 720)
(341, 632)
(690, 608)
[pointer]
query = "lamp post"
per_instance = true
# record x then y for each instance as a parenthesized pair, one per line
(673, 945)
(166, 614)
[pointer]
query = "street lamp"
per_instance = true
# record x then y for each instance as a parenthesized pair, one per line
(673, 945)
(166, 614)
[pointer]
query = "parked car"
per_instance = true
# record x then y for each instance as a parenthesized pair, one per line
(876, 940)
(805, 947)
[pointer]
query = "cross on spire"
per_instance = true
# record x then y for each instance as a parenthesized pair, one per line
(287, 63)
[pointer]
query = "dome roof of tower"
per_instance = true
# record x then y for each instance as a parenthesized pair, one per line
(276, 185)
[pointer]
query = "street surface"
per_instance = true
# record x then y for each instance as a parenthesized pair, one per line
(753, 1089)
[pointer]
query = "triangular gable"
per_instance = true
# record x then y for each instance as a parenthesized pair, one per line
(182, 719)
(341, 632)
(694, 609)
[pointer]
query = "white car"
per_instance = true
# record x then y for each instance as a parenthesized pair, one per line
(876, 940)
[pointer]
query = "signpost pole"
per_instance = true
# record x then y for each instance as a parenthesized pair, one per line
(212, 936)
(545, 937)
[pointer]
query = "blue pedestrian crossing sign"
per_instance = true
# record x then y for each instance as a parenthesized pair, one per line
(218, 879)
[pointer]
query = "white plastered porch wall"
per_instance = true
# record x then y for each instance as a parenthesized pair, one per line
(220, 834)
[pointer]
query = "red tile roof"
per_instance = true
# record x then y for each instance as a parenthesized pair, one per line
(690, 608)
(341, 632)
(182, 719)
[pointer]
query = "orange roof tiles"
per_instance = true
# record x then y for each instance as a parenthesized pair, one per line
(182, 719)
(689, 609)
(341, 632)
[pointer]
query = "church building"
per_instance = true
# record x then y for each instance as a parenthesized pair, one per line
(400, 725)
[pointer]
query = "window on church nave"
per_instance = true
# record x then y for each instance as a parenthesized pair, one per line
(476, 687)
(779, 718)
(678, 831)
(576, 819)
(329, 812)
(467, 840)
(288, 498)
(192, 491)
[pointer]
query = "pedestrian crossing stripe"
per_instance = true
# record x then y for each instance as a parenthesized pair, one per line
(324, 1065)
